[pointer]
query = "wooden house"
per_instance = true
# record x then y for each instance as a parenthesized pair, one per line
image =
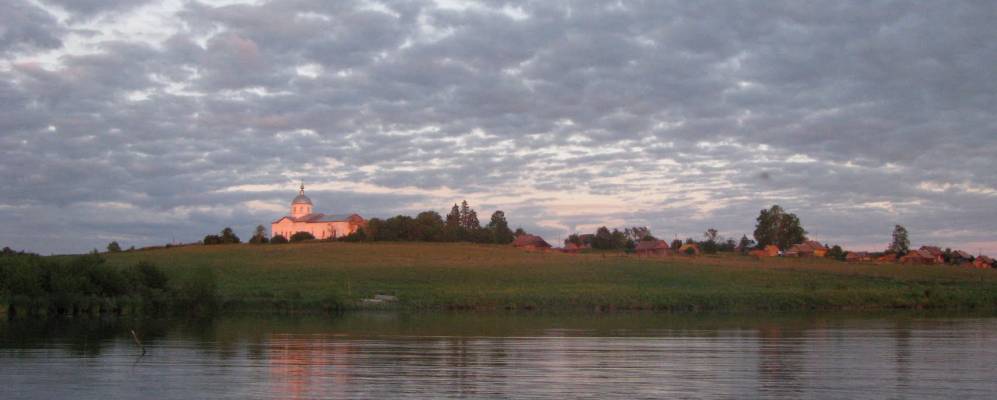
(769, 251)
(887, 258)
(937, 255)
(858, 256)
(653, 248)
(571, 248)
(961, 257)
(983, 262)
(810, 248)
(531, 243)
(921, 257)
(690, 249)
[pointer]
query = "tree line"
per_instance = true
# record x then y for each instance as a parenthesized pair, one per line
(460, 225)
(774, 226)
(85, 285)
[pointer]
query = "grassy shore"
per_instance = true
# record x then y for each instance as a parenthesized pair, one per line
(315, 276)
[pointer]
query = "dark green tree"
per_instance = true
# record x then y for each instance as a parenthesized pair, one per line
(837, 253)
(638, 233)
(452, 230)
(373, 229)
(775, 226)
(603, 239)
(212, 239)
(472, 224)
(278, 239)
(574, 239)
(465, 215)
(900, 244)
(745, 244)
(498, 227)
(619, 239)
(113, 247)
(710, 245)
(259, 236)
(302, 236)
(430, 226)
(229, 237)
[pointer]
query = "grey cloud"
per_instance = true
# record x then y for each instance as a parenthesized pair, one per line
(840, 105)
(85, 9)
(25, 27)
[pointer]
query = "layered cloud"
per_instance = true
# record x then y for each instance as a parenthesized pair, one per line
(146, 122)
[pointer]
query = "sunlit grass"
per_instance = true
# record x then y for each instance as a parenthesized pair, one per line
(422, 275)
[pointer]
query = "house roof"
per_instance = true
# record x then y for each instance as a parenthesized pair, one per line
(800, 248)
(963, 254)
(652, 245)
(301, 198)
(815, 245)
(530, 240)
(932, 250)
(320, 217)
(920, 253)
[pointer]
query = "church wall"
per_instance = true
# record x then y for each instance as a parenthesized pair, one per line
(321, 230)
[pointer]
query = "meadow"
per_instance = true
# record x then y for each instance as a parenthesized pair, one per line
(312, 277)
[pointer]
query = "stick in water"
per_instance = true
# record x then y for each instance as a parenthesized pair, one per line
(138, 342)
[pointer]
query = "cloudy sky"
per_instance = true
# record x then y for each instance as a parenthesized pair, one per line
(150, 122)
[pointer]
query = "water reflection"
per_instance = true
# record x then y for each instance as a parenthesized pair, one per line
(488, 356)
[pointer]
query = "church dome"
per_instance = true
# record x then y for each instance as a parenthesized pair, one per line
(301, 198)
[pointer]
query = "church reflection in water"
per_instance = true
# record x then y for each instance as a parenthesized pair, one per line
(761, 361)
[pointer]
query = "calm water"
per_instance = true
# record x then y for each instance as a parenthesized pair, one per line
(504, 356)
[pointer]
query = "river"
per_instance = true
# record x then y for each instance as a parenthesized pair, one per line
(499, 355)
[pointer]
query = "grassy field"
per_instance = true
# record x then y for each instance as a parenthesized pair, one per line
(316, 276)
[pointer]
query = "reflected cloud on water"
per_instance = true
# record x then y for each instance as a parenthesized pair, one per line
(488, 356)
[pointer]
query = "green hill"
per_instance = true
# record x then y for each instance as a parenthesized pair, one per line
(313, 276)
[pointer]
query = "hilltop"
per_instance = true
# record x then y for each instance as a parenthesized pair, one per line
(309, 277)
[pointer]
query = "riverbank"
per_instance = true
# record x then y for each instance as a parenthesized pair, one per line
(322, 277)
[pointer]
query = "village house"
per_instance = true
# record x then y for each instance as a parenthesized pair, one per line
(857, 256)
(768, 251)
(531, 243)
(983, 262)
(810, 248)
(923, 256)
(653, 248)
(571, 248)
(321, 226)
(961, 257)
(935, 252)
(690, 249)
(887, 258)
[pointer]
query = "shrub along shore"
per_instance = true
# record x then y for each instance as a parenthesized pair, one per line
(325, 277)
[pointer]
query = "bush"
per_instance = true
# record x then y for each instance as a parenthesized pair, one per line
(301, 236)
(113, 247)
(84, 284)
(358, 236)
(836, 253)
(278, 239)
(212, 239)
(145, 274)
(229, 237)
(195, 291)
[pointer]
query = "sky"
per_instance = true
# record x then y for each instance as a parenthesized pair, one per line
(149, 122)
